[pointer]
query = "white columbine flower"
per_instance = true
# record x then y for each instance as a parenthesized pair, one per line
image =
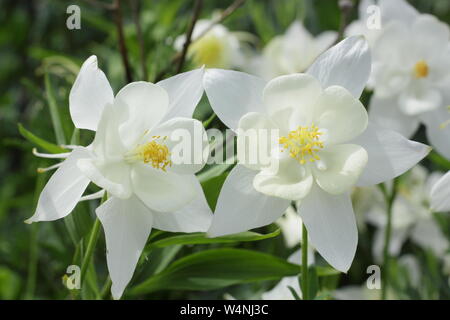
(292, 52)
(440, 194)
(134, 158)
(411, 216)
(326, 147)
(214, 48)
(411, 77)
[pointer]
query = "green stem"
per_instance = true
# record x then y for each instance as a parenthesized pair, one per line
(90, 248)
(387, 239)
(304, 267)
(106, 288)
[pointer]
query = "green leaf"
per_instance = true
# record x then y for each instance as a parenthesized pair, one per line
(326, 271)
(48, 146)
(200, 238)
(218, 268)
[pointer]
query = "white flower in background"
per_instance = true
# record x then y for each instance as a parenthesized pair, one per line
(217, 48)
(374, 15)
(440, 194)
(290, 224)
(411, 216)
(292, 52)
(134, 158)
(326, 147)
(411, 77)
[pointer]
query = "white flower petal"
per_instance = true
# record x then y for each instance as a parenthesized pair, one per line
(196, 216)
(397, 10)
(343, 116)
(127, 225)
(141, 105)
(430, 33)
(187, 142)
(240, 207)
(390, 154)
(331, 226)
(419, 100)
(256, 139)
(298, 92)
(292, 181)
(114, 177)
(438, 130)
(162, 191)
(386, 113)
(344, 164)
(63, 191)
(428, 235)
(89, 95)
(440, 194)
(185, 91)
(233, 94)
(347, 64)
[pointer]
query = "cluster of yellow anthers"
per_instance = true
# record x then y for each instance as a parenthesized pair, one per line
(303, 143)
(157, 154)
(421, 69)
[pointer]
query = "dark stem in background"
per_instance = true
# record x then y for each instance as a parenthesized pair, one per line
(346, 7)
(225, 14)
(122, 47)
(187, 42)
(135, 8)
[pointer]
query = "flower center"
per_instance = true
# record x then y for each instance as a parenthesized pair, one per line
(421, 69)
(155, 152)
(303, 143)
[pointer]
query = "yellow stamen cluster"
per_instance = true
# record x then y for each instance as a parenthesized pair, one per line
(303, 143)
(155, 153)
(421, 69)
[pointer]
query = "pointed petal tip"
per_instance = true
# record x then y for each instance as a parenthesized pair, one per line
(29, 221)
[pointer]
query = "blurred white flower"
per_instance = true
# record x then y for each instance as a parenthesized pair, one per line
(323, 152)
(411, 77)
(290, 53)
(290, 224)
(214, 47)
(131, 158)
(411, 216)
(440, 194)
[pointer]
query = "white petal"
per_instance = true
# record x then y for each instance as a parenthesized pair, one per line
(344, 164)
(290, 181)
(346, 64)
(428, 235)
(397, 10)
(438, 130)
(63, 191)
(196, 216)
(256, 139)
(127, 225)
(233, 94)
(185, 91)
(343, 116)
(142, 106)
(386, 113)
(90, 93)
(187, 142)
(331, 226)
(114, 177)
(440, 194)
(162, 191)
(390, 154)
(298, 92)
(281, 290)
(419, 100)
(240, 207)
(430, 34)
